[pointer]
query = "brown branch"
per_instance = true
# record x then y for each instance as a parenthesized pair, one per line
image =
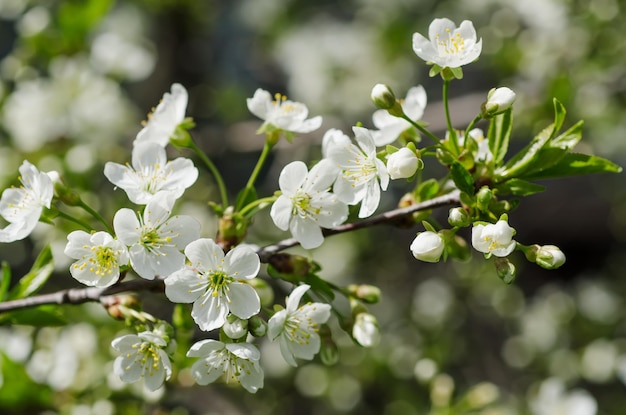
(388, 217)
(93, 294)
(81, 295)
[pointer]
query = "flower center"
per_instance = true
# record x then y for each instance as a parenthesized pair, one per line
(148, 357)
(302, 206)
(103, 261)
(453, 44)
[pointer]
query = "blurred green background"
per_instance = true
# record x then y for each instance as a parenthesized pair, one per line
(78, 76)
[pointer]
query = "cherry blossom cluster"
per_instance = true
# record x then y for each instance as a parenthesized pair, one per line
(219, 275)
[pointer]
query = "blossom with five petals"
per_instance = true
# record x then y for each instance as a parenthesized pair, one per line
(448, 46)
(235, 361)
(391, 127)
(142, 356)
(216, 284)
(166, 117)
(151, 173)
(296, 327)
(99, 258)
(156, 240)
(494, 239)
(22, 207)
(361, 174)
(282, 114)
(306, 204)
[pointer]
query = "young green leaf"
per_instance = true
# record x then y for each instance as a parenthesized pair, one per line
(518, 187)
(462, 178)
(36, 277)
(573, 164)
(499, 134)
(5, 281)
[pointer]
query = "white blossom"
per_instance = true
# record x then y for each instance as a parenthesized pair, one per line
(362, 175)
(402, 164)
(281, 113)
(306, 204)
(216, 283)
(428, 246)
(296, 327)
(142, 356)
(448, 46)
(494, 239)
(156, 239)
(237, 362)
(165, 118)
(22, 207)
(99, 258)
(391, 127)
(151, 173)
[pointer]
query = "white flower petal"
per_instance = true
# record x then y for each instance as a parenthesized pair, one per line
(184, 286)
(244, 300)
(242, 263)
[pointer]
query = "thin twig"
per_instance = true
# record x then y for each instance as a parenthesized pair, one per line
(93, 294)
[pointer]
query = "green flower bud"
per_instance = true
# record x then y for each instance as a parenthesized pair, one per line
(383, 96)
(257, 326)
(458, 217)
(367, 293)
(483, 198)
(505, 270)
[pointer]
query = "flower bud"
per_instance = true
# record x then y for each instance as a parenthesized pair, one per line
(329, 352)
(483, 198)
(257, 326)
(383, 96)
(365, 330)
(458, 217)
(62, 191)
(498, 100)
(550, 257)
(367, 293)
(505, 270)
(427, 246)
(402, 164)
(234, 327)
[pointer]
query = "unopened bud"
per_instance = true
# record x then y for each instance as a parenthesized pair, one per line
(550, 257)
(483, 198)
(365, 330)
(402, 164)
(383, 96)
(234, 327)
(428, 246)
(498, 101)
(367, 293)
(505, 270)
(257, 326)
(62, 191)
(458, 217)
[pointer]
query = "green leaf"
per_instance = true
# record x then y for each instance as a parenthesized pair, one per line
(42, 316)
(519, 187)
(573, 164)
(5, 281)
(36, 277)
(569, 138)
(320, 287)
(499, 135)
(462, 178)
(522, 160)
(427, 190)
(559, 114)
